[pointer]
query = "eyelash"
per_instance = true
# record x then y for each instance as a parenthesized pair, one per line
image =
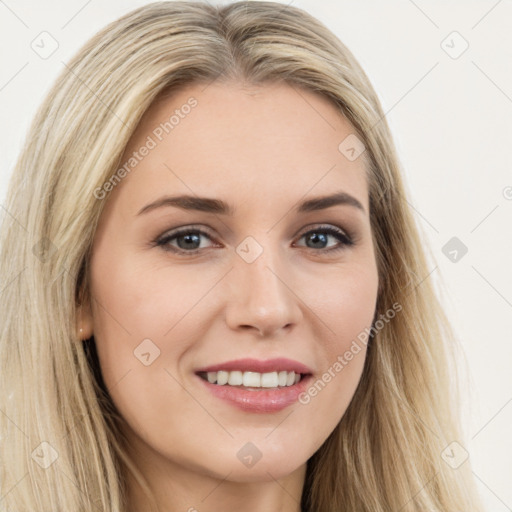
(163, 241)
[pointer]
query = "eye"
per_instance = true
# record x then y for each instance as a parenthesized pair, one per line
(320, 236)
(188, 239)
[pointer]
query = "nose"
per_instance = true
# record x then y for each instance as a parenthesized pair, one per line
(262, 296)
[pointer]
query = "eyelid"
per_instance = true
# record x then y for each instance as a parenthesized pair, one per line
(175, 232)
(320, 226)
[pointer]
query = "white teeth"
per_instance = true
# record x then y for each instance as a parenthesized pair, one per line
(253, 379)
(222, 377)
(235, 378)
(269, 380)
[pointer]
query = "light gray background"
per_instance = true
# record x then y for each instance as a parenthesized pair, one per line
(452, 123)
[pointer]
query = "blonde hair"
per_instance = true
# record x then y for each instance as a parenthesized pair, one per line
(386, 453)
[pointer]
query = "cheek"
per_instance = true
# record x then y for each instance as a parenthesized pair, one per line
(143, 307)
(345, 303)
(346, 308)
(137, 301)
(142, 330)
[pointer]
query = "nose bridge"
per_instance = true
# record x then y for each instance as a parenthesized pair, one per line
(262, 297)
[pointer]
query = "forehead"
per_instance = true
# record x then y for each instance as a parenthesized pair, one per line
(227, 139)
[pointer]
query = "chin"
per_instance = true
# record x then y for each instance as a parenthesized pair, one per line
(243, 462)
(269, 471)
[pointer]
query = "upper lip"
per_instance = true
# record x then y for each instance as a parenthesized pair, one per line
(260, 366)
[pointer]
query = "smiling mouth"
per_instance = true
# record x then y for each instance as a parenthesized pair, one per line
(253, 380)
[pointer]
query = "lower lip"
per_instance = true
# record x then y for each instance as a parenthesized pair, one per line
(259, 400)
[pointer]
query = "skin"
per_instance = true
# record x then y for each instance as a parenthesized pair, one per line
(261, 149)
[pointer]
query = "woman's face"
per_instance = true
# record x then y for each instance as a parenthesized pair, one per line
(259, 281)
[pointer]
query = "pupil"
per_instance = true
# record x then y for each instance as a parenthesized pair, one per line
(316, 237)
(189, 239)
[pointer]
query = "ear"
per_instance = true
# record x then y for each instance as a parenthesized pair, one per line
(84, 324)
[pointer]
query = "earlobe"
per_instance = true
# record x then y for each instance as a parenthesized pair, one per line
(84, 326)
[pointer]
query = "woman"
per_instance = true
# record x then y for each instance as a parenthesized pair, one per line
(256, 370)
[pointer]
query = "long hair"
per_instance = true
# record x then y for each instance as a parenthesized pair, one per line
(61, 445)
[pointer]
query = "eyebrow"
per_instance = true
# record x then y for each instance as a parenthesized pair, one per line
(217, 206)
